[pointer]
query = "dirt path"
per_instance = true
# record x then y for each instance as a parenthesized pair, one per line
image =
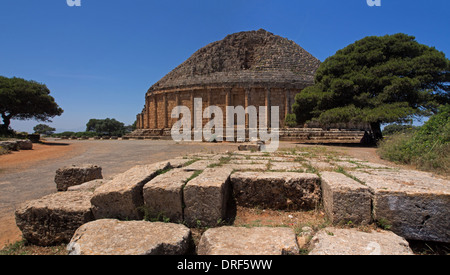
(29, 175)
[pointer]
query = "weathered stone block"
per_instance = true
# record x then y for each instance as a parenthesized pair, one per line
(412, 204)
(122, 197)
(53, 219)
(248, 241)
(89, 186)
(76, 175)
(113, 237)
(163, 196)
(277, 190)
(334, 241)
(25, 145)
(206, 197)
(345, 199)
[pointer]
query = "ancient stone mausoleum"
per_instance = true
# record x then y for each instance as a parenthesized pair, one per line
(254, 68)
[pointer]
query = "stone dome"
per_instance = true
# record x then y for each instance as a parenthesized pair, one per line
(245, 59)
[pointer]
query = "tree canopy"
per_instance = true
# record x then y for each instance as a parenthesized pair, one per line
(25, 99)
(377, 80)
(110, 127)
(43, 129)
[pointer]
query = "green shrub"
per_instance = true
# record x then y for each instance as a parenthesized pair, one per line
(3, 151)
(428, 148)
(291, 121)
(398, 128)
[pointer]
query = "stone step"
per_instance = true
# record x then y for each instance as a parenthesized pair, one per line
(53, 219)
(113, 237)
(276, 190)
(248, 241)
(206, 197)
(335, 241)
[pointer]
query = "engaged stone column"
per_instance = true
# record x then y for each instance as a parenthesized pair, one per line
(166, 120)
(148, 113)
(287, 94)
(246, 103)
(155, 112)
(268, 107)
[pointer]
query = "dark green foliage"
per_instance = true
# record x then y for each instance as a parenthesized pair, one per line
(291, 121)
(377, 80)
(22, 99)
(43, 129)
(428, 147)
(109, 127)
(398, 128)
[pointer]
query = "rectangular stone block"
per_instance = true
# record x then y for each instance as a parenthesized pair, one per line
(206, 197)
(53, 219)
(75, 175)
(412, 204)
(122, 197)
(345, 199)
(277, 190)
(163, 196)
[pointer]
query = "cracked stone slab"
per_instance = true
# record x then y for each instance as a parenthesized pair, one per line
(164, 195)
(113, 237)
(248, 241)
(413, 204)
(122, 197)
(335, 241)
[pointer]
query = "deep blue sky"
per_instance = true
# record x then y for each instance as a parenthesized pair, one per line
(99, 59)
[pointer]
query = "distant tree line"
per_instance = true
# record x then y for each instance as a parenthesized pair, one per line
(94, 128)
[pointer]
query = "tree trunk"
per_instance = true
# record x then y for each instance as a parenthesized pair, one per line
(6, 122)
(376, 131)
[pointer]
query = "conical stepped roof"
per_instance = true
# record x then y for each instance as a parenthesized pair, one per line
(245, 59)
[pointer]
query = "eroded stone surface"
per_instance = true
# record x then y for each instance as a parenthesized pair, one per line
(53, 219)
(413, 204)
(248, 241)
(334, 241)
(113, 237)
(276, 190)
